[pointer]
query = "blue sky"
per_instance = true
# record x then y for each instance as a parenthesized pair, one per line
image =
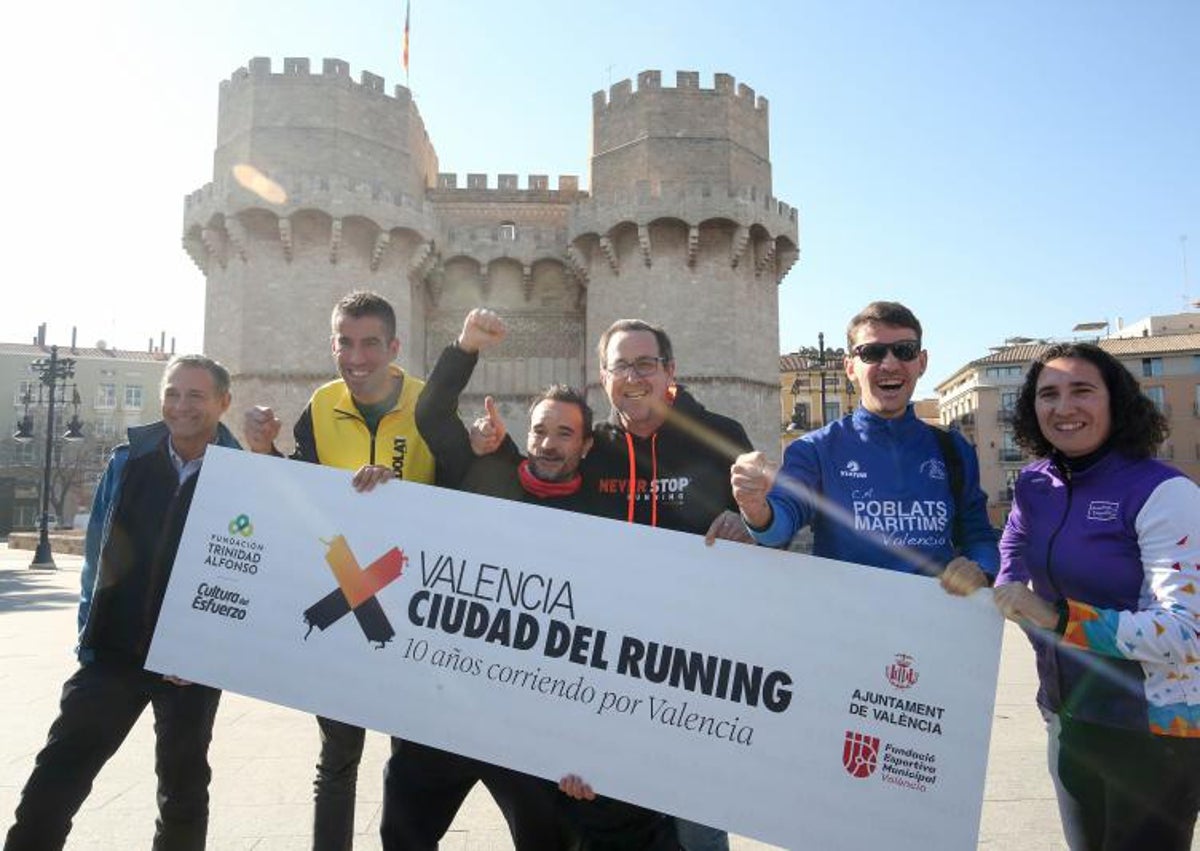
(1004, 168)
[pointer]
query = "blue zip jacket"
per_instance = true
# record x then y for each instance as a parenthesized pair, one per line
(877, 492)
(142, 439)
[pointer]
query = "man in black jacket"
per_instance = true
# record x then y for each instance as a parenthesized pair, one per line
(678, 451)
(425, 785)
(662, 459)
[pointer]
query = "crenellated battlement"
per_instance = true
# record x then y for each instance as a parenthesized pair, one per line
(306, 189)
(692, 202)
(297, 69)
(507, 184)
(686, 82)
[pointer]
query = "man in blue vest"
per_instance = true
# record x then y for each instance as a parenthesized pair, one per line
(137, 518)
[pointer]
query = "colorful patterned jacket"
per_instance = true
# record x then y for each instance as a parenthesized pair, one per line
(1117, 543)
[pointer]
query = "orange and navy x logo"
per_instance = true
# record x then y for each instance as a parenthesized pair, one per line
(356, 591)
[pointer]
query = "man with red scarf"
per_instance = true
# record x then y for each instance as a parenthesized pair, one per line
(428, 785)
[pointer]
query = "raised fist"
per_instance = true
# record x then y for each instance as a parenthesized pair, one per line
(481, 330)
(260, 427)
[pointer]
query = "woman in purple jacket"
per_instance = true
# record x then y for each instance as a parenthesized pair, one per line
(1099, 564)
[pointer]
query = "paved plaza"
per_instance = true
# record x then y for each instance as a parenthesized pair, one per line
(263, 755)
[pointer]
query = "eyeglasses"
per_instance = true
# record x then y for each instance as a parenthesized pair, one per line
(904, 350)
(642, 367)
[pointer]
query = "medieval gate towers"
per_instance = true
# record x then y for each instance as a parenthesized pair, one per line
(678, 227)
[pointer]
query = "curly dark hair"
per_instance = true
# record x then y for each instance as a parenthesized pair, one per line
(1138, 427)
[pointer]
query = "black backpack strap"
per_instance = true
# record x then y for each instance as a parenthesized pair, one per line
(954, 468)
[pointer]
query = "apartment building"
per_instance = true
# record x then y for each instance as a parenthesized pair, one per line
(813, 390)
(109, 391)
(980, 397)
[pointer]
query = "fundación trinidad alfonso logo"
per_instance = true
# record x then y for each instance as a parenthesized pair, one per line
(901, 673)
(860, 754)
(242, 526)
(356, 591)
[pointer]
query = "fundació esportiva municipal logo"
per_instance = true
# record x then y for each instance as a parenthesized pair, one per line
(242, 526)
(860, 754)
(356, 591)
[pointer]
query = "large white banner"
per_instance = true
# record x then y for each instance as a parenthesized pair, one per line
(802, 701)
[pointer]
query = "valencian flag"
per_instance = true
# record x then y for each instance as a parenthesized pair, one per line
(407, 10)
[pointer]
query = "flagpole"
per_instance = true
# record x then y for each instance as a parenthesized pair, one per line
(404, 58)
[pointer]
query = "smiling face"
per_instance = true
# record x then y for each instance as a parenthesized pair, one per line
(363, 352)
(192, 407)
(557, 441)
(639, 400)
(1072, 406)
(887, 386)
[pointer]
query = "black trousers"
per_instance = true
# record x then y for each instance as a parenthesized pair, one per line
(424, 787)
(1135, 790)
(100, 704)
(336, 784)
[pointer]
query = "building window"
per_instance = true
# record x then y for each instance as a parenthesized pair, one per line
(1151, 367)
(1008, 401)
(833, 411)
(133, 396)
(1010, 483)
(1155, 395)
(27, 389)
(800, 415)
(1196, 403)
(1009, 450)
(508, 232)
(1002, 372)
(25, 453)
(106, 396)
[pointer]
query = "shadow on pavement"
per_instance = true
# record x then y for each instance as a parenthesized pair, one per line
(30, 590)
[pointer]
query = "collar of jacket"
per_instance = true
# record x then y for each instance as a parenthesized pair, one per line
(1108, 462)
(345, 402)
(902, 424)
(146, 438)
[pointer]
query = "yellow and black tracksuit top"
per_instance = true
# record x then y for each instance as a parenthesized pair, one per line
(331, 431)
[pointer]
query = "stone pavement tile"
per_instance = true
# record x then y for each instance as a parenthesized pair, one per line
(1020, 826)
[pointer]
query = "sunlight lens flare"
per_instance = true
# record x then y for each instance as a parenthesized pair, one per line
(253, 180)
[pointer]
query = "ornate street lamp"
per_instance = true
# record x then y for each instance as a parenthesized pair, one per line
(51, 372)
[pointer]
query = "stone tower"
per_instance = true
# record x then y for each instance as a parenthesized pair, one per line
(680, 228)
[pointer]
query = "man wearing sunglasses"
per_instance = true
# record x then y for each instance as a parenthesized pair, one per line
(878, 486)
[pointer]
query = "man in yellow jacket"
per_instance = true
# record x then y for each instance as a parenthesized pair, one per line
(364, 419)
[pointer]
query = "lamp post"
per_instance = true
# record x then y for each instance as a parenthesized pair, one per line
(821, 355)
(51, 372)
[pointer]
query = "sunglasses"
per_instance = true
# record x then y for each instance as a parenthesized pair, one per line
(904, 350)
